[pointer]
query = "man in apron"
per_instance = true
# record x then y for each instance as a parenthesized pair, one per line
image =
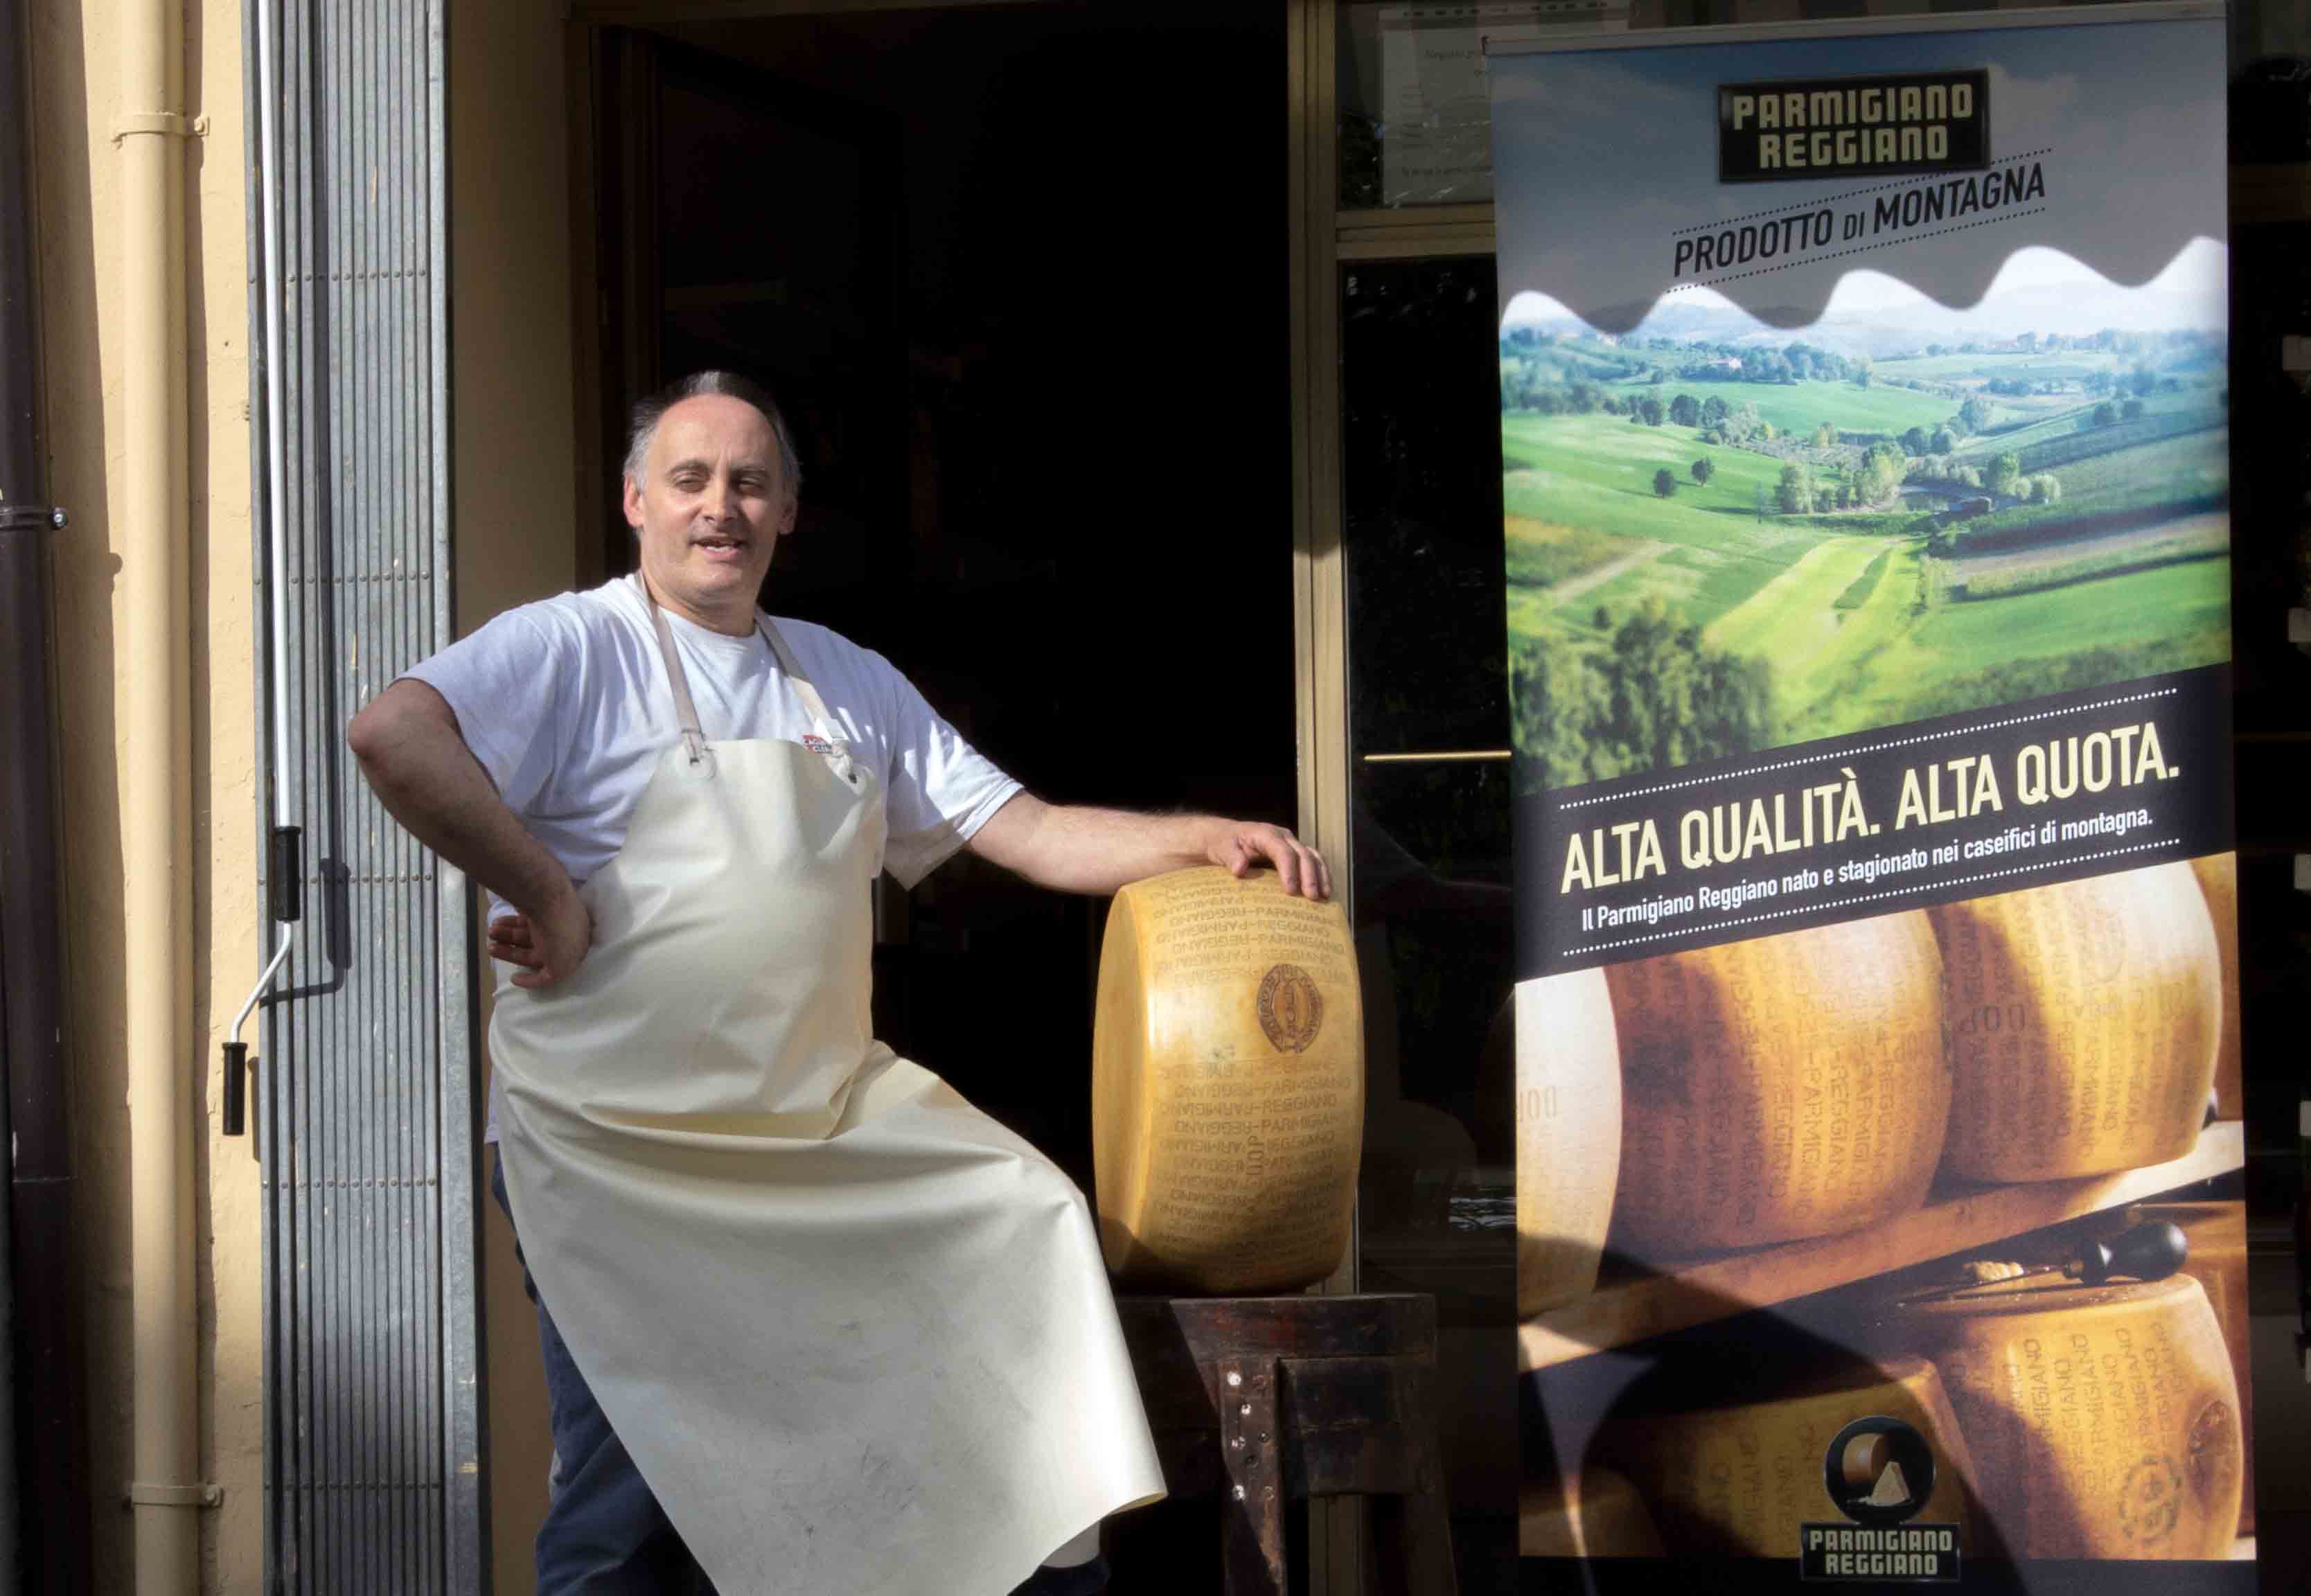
(812, 1324)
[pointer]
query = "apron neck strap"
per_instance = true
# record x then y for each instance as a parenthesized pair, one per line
(803, 689)
(685, 711)
(693, 740)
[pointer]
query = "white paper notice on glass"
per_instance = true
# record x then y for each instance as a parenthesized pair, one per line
(1437, 140)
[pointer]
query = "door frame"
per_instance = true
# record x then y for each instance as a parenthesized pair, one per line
(1319, 236)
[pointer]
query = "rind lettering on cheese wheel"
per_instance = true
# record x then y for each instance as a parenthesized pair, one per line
(1778, 1088)
(2081, 1020)
(1597, 1514)
(1740, 1479)
(1227, 1084)
(2217, 1260)
(2217, 877)
(1568, 1135)
(2103, 1421)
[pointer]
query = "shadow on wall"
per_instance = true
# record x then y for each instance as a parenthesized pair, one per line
(83, 571)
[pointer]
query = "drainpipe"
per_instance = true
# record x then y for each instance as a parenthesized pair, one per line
(44, 1511)
(151, 513)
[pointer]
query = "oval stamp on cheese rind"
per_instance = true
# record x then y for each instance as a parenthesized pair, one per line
(2150, 1501)
(1291, 1009)
(2215, 1451)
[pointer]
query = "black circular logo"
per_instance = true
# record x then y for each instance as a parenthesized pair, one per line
(1879, 1471)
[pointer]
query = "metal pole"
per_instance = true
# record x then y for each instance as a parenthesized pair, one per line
(44, 1515)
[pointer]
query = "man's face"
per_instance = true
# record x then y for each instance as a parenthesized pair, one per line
(711, 504)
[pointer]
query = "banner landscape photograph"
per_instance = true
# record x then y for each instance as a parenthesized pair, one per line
(1865, 442)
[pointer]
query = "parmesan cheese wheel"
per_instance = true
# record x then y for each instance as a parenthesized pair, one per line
(1739, 1481)
(2103, 1421)
(1785, 1086)
(2217, 1233)
(2082, 1021)
(1568, 1135)
(1596, 1515)
(2218, 876)
(1227, 1084)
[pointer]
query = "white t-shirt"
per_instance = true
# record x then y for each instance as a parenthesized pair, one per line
(566, 704)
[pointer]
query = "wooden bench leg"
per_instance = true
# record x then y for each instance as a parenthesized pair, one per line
(1412, 1534)
(1412, 1542)
(1251, 1507)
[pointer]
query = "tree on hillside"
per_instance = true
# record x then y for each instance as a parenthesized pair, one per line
(2044, 489)
(1560, 702)
(1655, 698)
(1794, 495)
(1915, 442)
(1664, 482)
(2005, 471)
(1882, 470)
(1974, 413)
(1942, 441)
(2131, 409)
(1763, 365)
(1673, 703)
(2105, 415)
(1652, 410)
(1701, 469)
(1861, 373)
(2142, 379)
(1825, 436)
(1713, 411)
(1684, 410)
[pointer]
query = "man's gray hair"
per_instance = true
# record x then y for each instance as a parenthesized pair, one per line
(642, 424)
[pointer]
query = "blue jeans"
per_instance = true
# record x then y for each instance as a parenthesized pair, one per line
(604, 1533)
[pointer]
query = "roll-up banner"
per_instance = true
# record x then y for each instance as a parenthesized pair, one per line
(1864, 448)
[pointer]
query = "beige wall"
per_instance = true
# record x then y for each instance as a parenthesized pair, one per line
(515, 527)
(515, 532)
(75, 107)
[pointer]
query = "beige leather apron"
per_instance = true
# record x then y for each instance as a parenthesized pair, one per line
(856, 1335)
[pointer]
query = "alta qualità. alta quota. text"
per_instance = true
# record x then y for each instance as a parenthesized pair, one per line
(1833, 812)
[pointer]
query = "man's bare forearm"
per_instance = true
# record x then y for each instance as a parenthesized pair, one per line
(1075, 848)
(418, 764)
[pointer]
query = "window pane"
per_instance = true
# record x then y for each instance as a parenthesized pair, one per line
(1430, 838)
(1416, 128)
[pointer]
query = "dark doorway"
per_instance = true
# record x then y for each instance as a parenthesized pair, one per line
(1018, 273)
(1020, 276)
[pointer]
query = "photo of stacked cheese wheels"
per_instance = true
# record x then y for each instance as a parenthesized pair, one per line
(1848, 1102)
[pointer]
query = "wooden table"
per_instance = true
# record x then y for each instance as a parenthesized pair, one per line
(1259, 1399)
